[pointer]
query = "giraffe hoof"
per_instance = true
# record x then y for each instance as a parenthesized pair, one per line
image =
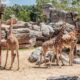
(60, 66)
(2, 68)
(9, 68)
(57, 64)
(18, 68)
(70, 65)
(63, 64)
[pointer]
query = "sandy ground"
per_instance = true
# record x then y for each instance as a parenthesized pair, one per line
(30, 71)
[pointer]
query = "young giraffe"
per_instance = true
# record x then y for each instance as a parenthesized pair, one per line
(68, 40)
(50, 44)
(12, 44)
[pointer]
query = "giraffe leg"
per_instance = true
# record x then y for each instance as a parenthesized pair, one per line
(44, 59)
(18, 58)
(50, 60)
(75, 51)
(58, 58)
(61, 58)
(12, 58)
(6, 58)
(71, 57)
(40, 59)
(71, 54)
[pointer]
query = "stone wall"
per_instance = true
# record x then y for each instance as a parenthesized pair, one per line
(30, 34)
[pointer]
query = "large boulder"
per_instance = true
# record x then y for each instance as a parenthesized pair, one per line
(35, 56)
(35, 33)
(46, 29)
(65, 58)
(35, 27)
(56, 26)
(77, 60)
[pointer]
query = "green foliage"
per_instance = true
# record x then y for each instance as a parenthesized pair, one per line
(42, 2)
(24, 12)
(21, 12)
(8, 11)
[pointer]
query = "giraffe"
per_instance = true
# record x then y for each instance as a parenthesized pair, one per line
(49, 44)
(12, 44)
(68, 40)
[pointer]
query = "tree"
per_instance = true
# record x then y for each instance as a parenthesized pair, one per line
(24, 12)
(42, 2)
(21, 12)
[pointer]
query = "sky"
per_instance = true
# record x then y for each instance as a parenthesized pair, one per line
(21, 2)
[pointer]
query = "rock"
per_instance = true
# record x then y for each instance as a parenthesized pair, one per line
(46, 29)
(55, 15)
(65, 58)
(49, 57)
(27, 31)
(35, 33)
(36, 27)
(76, 61)
(57, 26)
(32, 41)
(29, 25)
(63, 77)
(19, 24)
(35, 56)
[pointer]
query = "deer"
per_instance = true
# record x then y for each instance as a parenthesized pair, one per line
(12, 44)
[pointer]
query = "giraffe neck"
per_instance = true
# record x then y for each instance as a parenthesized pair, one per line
(75, 24)
(10, 30)
(11, 25)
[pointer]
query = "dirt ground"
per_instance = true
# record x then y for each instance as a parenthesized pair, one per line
(29, 71)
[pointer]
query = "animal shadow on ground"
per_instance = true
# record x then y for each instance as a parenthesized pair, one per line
(45, 66)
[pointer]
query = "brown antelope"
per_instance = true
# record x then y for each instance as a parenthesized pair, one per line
(12, 44)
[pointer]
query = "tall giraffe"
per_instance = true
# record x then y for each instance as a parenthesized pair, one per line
(12, 44)
(68, 40)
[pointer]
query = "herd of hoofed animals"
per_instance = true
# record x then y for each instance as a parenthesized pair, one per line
(57, 44)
